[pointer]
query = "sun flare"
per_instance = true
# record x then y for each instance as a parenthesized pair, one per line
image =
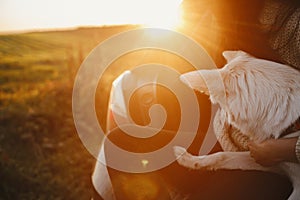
(68, 13)
(163, 14)
(151, 13)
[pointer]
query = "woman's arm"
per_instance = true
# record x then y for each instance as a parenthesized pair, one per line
(274, 151)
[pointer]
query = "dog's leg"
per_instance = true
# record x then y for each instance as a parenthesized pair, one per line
(220, 160)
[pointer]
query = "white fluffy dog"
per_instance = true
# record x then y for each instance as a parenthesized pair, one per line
(260, 98)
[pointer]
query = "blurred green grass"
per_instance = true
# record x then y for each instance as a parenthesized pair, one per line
(41, 156)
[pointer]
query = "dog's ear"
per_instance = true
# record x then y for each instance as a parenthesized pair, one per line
(208, 81)
(230, 55)
(195, 81)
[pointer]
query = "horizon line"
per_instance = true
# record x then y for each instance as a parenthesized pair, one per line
(34, 30)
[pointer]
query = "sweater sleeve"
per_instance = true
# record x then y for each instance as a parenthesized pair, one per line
(229, 137)
(297, 149)
(285, 34)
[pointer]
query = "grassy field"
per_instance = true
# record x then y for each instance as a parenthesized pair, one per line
(41, 156)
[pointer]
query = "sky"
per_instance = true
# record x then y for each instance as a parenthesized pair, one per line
(19, 15)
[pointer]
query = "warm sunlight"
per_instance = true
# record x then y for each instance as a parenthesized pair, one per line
(35, 14)
(163, 14)
(153, 13)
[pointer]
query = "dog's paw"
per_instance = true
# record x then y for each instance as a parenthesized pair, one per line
(179, 151)
(185, 159)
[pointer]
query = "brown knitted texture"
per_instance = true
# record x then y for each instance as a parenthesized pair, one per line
(230, 138)
(284, 31)
(297, 149)
(239, 139)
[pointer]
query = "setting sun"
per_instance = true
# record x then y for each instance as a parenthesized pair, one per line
(35, 15)
(162, 14)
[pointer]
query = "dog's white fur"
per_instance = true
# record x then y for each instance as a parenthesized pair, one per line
(261, 98)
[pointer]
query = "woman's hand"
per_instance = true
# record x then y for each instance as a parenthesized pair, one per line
(273, 151)
(265, 153)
